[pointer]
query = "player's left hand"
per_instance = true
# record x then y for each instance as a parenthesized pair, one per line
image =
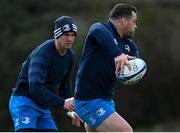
(68, 104)
(75, 119)
(122, 60)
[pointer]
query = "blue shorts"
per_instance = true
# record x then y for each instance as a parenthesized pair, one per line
(26, 114)
(95, 111)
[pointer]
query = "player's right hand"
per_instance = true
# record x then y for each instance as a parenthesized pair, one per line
(68, 104)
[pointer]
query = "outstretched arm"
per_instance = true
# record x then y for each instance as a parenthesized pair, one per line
(37, 76)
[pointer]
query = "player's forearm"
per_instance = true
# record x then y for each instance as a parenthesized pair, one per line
(46, 98)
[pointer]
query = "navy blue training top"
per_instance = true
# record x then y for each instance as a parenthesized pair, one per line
(45, 76)
(96, 74)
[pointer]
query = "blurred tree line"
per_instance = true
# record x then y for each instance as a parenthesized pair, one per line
(154, 100)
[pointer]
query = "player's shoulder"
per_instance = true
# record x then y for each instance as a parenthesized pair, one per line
(97, 25)
(43, 49)
(47, 45)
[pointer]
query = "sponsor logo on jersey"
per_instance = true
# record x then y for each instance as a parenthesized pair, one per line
(127, 47)
(115, 41)
(17, 122)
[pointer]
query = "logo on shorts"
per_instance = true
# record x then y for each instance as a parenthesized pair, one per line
(26, 120)
(92, 120)
(100, 112)
(17, 122)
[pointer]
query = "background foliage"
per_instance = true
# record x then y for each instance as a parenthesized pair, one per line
(151, 105)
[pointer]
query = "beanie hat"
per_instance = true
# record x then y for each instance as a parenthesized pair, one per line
(64, 24)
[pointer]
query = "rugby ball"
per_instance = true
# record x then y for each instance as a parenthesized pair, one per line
(138, 70)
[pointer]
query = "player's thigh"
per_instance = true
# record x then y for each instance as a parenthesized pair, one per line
(114, 123)
(95, 111)
(89, 129)
(46, 121)
(24, 117)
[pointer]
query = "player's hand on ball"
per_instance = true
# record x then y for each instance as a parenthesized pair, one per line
(122, 60)
(68, 104)
(75, 118)
(138, 70)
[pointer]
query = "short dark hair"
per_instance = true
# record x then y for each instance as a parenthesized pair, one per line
(122, 10)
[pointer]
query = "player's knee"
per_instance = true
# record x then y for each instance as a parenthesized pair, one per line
(88, 128)
(127, 128)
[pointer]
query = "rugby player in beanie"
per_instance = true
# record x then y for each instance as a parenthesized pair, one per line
(44, 81)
